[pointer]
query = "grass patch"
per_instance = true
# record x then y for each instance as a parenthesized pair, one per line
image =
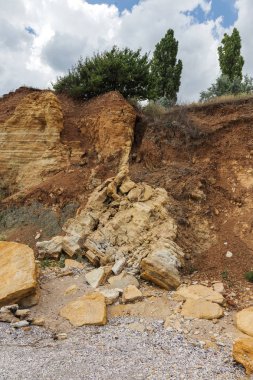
(249, 276)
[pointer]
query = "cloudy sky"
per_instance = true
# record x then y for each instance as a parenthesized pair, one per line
(41, 39)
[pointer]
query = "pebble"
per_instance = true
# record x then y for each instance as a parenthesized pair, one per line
(18, 325)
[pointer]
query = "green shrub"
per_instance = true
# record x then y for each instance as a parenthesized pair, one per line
(249, 276)
(125, 70)
(226, 86)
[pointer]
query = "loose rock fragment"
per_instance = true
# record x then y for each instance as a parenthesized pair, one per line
(18, 325)
(98, 276)
(244, 321)
(50, 248)
(40, 321)
(122, 281)
(87, 310)
(111, 295)
(198, 292)
(119, 266)
(7, 316)
(243, 353)
(201, 309)
(22, 313)
(73, 264)
(161, 266)
(131, 293)
(218, 287)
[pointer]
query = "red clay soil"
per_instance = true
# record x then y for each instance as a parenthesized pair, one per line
(203, 157)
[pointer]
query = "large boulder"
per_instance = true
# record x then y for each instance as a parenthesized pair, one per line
(244, 321)
(161, 266)
(17, 272)
(243, 353)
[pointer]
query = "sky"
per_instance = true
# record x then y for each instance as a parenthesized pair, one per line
(42, 39)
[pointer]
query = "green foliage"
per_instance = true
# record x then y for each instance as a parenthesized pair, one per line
(230, 59)
(166, 70)
(225, 86)
(224, 275)
(123, 70)
(249, 276)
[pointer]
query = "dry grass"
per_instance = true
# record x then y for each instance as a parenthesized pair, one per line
(222, 99)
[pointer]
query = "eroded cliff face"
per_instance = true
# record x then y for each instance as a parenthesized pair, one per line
(41, 138)
(30, 141)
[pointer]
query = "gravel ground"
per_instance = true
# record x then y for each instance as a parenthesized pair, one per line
(112, 352)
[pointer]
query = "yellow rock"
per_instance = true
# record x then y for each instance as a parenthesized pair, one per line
(73, 264)
(17, 272)
(131, 293)
(243, 353)
(30, 140)
(87, 310)
(71, 290)
(199, 292)
(201, 309)
(244, 321)
(98, 276)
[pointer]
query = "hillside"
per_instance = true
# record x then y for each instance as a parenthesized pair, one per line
(138, 219)
(202, 156)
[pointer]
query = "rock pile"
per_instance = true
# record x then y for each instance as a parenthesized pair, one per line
(124, 224)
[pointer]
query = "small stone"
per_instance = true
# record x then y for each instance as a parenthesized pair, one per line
(218, 287)
(22, 313)
(18, 325)
(98, 276)
(40, 321)
(111, 295)
(37, 236)
(7, 316)
(229, 254)
(71, 290)
(123, 280)
(50, 248)
(243, 353)
(73, 264)
(131, 293)
(119, 266)
(13, 308)
(201, 309)
(60, 336)
(70, 245)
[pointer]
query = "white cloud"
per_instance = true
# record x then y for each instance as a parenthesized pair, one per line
(67, 29)
(245, 27)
